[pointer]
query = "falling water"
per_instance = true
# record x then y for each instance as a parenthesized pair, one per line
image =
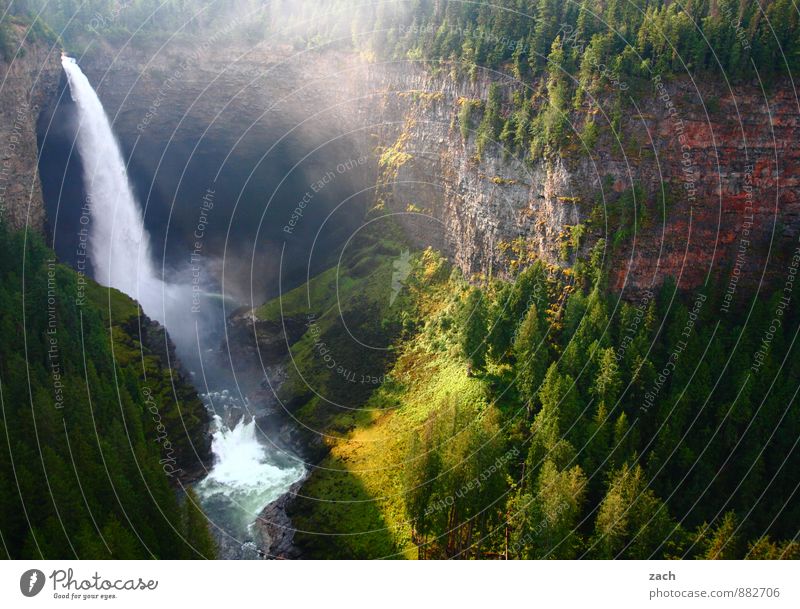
(118, 244)
(247, 475)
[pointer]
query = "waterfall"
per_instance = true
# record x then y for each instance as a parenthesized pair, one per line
(119, 247)
(247, 474)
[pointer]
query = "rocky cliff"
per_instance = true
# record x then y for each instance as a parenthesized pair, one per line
(716, 170)
(717, 176)
(237, 98)
(716, 181)
(30, 80)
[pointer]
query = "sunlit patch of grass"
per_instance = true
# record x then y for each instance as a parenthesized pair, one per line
(359, 486)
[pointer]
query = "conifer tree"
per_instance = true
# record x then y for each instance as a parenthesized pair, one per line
(472, 320)
(198, 537)
(531, 354)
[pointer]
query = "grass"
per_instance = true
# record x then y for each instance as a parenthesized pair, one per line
(359, 486)
(350, 300)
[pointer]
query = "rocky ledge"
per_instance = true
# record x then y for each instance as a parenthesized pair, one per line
(273, 529)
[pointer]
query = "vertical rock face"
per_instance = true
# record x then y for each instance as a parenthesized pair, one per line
(29, 81)
(233, 94)
(718, 176)
(718, 169)
(487, 213)
(735, 173)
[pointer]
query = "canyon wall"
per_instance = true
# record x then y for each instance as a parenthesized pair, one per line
(235, 95)
(718, 174)
(718, 169)
(29, 82)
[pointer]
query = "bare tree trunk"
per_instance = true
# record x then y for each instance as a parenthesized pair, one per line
(450, 534)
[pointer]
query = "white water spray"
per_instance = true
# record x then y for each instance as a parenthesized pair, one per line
(247, 475)
(118, 244)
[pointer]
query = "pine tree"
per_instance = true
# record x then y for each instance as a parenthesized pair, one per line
(198, 538)
(556, 507)
(724, 542)
(491, 125)
(631, 521)
(531, 354)
(555, 117)
(607, 383)
(472, 320)
(421, 479)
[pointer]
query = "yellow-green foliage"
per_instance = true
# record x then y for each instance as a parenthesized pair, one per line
(395, 156)
(358, 488)
(518, 253)
(422, 95)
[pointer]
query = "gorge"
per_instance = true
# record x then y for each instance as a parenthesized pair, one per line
(479, 209)
(308, 224)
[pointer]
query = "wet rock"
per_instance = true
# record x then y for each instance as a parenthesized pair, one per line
(274, 532)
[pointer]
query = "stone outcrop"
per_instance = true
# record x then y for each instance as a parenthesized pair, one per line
(273, 528)
(29, 81)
